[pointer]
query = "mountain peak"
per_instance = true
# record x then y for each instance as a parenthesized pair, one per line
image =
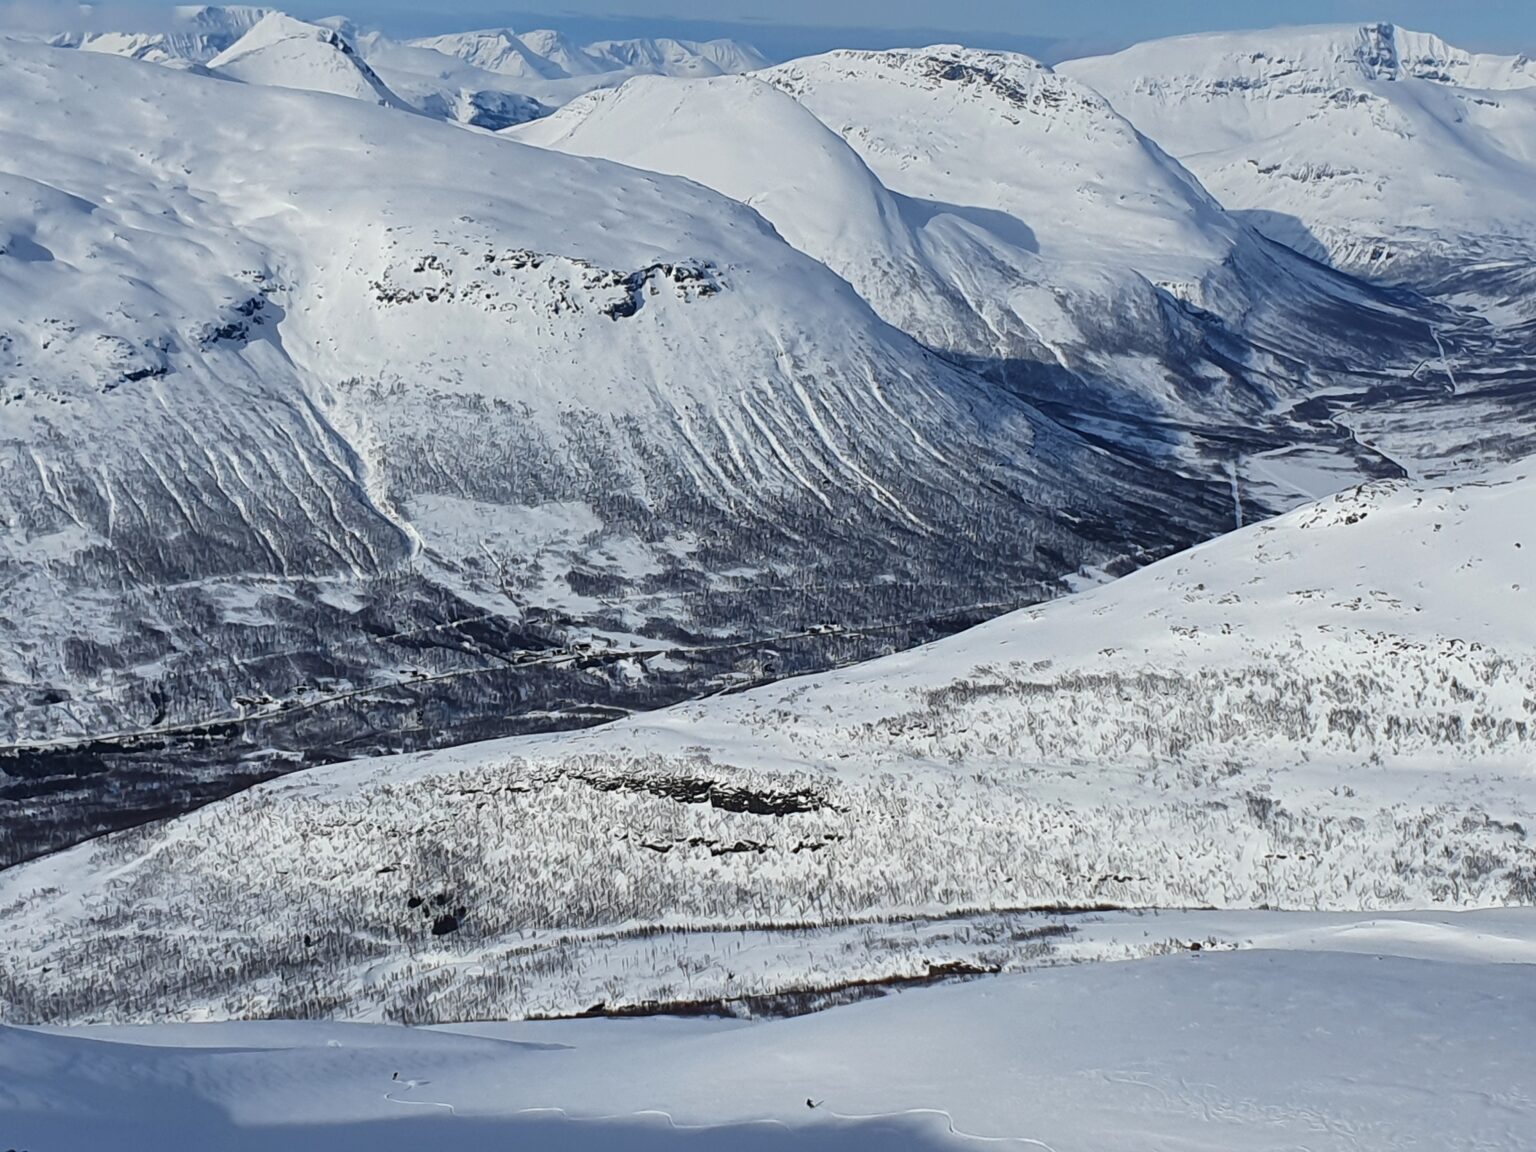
(282, 52)
(277, 26)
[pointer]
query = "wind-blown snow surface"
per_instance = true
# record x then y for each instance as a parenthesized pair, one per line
(1335, 710)
(1385, 151)
(306, 399)
(1239, 1052)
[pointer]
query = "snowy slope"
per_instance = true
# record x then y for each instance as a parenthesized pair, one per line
(1244, 1053)
(1335, 710)
(309, 401)
(282, 52)
(1384, 151)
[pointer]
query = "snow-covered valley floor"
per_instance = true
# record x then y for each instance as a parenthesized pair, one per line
(1337, 1034)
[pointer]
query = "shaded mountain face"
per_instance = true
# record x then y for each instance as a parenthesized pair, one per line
(328, 429)
(1385, 152)
(1330, 711)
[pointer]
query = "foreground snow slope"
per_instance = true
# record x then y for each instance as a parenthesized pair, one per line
(307, 399)
(1334, 710)
(1252, 1052)
(1384, 151)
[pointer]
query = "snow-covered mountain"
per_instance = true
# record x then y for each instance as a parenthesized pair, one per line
(286, 53)
(740, 136)
(1383, 151)
(970, 198)
(1333, 710)
(328, 428)
(998, 132)
(442, 86)
(488, 79)
(971, 447)
(196, 35)
(544, 55)
(545, 65)
(997, 285)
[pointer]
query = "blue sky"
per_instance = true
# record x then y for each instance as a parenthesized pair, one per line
(786, 25)
(1049, 29)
